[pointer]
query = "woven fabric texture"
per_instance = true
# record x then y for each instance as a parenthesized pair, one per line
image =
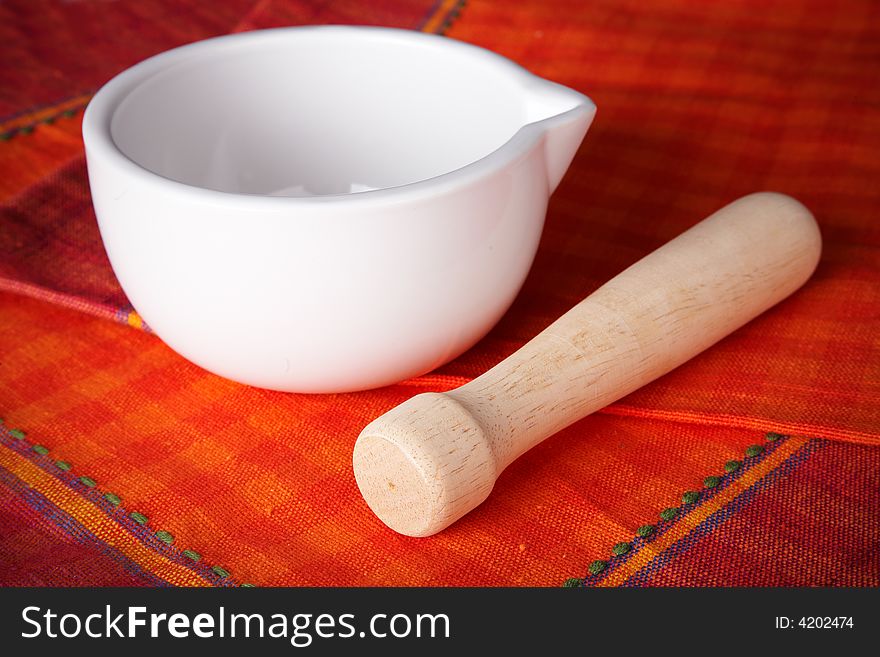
(122, 463)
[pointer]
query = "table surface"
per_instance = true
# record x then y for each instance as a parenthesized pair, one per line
(758, 463)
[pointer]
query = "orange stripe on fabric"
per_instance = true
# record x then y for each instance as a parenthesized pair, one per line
(442, 383)
(690, 521)
(80, 101)
(437, 18)
(29, 160)
(246, 22)
(44, 113)
(104, 311)
(87, 514)
(740, 422)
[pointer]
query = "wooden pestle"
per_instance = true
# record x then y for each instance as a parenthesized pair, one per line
(427, 462)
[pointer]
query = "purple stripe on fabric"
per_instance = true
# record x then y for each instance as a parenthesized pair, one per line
(144, 533)
(663, 526)
(74, 528)
(710, 524)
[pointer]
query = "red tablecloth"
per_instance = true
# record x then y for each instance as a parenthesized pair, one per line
(756, 463)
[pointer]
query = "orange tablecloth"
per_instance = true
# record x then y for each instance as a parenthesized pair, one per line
(120, 462)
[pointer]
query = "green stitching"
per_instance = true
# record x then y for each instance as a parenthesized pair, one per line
(115, 500)
(251, 586)
(570, 583)
(669, 514)
(29, 128)
(597, 567)
(620, 548)
(450, 17)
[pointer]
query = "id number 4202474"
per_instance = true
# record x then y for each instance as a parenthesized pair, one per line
(814, 623)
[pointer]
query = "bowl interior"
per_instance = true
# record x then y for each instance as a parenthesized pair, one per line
(318, 113)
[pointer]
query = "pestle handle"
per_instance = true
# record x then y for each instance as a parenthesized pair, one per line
(432, 459)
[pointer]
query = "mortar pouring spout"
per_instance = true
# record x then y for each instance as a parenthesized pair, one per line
(563, 115)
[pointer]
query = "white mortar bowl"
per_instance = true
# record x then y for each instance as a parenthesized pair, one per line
(326, 209)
